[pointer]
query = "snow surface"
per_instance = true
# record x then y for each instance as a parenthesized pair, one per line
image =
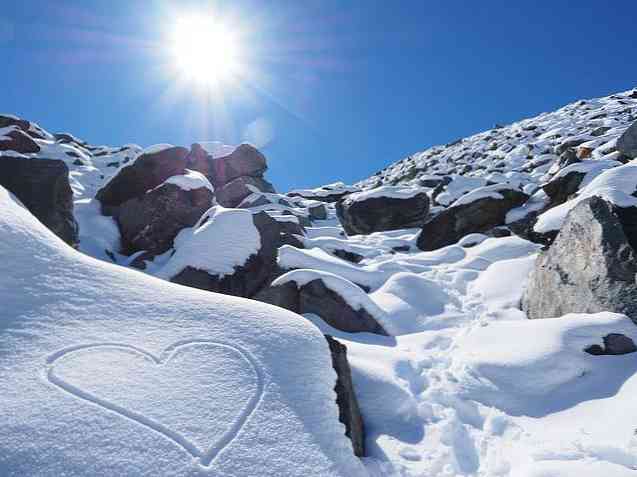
(191, 180)
(391, 192)
(108, 371)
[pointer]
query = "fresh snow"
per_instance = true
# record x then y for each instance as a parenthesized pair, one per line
(390, 192)
(191, 180)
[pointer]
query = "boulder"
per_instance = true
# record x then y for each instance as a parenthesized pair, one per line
(590, 267)
(247, 278)
(245, 160)
(146, 172)
(348, 411)
(384, 208)
(317, 212)
(151, 222)
(18, 141)
(561, 187)
(315, 297)
(7, 121)
(614, 344)
(42, 185)
(476, 212)
(627, 142)
(232, 193)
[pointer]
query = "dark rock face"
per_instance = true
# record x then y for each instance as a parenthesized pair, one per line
(152, 221)
(314, 297)
(6, 121)
(42, 185)
(382, 213)
(627, 143)
(348, 411)
(559, 189)
(248, 278)
(590, 267)
(232, 193)
(18, 141)
(245, 160)
(481, 215)
(317, 212)
(145, 173)
(614, 344)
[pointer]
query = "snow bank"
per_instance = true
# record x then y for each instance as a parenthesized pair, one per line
(152, 378)
(222, 240)
(191, 180)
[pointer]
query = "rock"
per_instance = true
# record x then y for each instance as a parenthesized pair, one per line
(316, 298)
(584, 152)
(476, 212)
(385, 208)
(614, 344)
(248, 278)
(152, 221)
(327, 193)
(245, 160)
(590, 267)
(560, 188)
(600, 131)
(42, 185)
(317, 212)
(7, 121)
(18, 141)
(348, 411)
(231, 194)
(627, 142)
(146, 172)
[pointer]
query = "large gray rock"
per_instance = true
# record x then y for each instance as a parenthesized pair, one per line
(152, 221)
(248, 278)
(488, 210)
(627, 143)
(42, 185)
(380, 213)
(145, 173)
(316, 298)
(560, 188)
(590, 267)
(348, 411)
(233, 193)
(18, 141)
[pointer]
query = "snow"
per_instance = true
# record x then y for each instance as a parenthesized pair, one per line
(217, 149)
(191, 180)
(151, 378)
(390, 192)
(156, 148)
(492, 191)
(217, 245)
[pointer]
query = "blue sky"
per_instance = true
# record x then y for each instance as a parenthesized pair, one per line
(336, 89)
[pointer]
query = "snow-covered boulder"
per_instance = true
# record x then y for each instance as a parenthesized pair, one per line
(42, 185)
(327, 193)
(152, 221)
(150, 378)
(229, 251)
(336, 300)
(627, 143)
(149, 170)
(232, 193)
(590, 267)
(477, 211)
(383, 208)
(14, 139)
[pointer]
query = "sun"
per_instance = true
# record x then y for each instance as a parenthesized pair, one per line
(205, 51)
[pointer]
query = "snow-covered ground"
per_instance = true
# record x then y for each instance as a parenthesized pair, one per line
(465, 385)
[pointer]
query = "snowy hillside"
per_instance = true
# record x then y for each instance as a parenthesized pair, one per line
(484, 292)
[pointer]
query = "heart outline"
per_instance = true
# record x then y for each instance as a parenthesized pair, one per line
(205, 458)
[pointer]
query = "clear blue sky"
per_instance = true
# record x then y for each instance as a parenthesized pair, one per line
(344, 87)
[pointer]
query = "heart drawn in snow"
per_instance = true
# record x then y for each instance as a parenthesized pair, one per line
(197, 393)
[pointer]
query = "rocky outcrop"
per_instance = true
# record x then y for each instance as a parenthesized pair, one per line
(244, 161)
(18, 141)
(627, 143)
(390, 208)
(590, 267)
(316, 298)
(476, 212)
(151, 222)
(348, 411)
(248, 278)
(147, 172)
(42, 185)
(233, 193)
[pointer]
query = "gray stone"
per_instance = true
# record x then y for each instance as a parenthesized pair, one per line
(348, 411)
(627, 143)
(589, 268)
(317, 212)
(614, 344)
(42, 185)
(559, 189)
(232, 193)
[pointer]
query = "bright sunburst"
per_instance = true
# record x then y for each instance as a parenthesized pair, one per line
(205, 51)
